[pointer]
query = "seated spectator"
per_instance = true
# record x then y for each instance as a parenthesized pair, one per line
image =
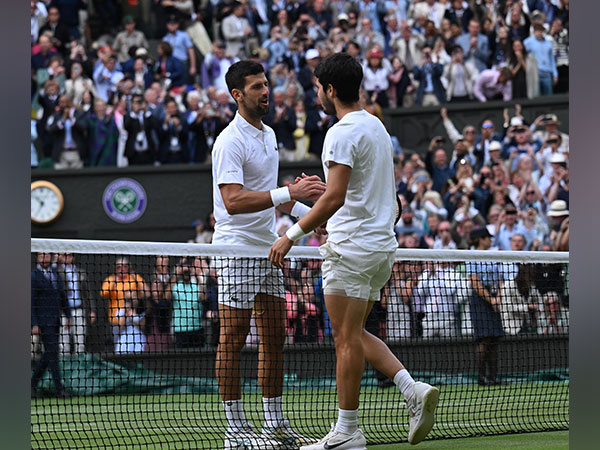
(277, 45)
(550, 123)
(431, 91)
(482, 190)
(317, 124)
(131, 337)
(554, 318)
(493, 84)
(188, 308)
(443, 238)
(543, 51)
(141, 146)
(546, 181)
(173, 136)
(408, 223)
(461, 231)
(475, 46)
(524, 67)
(460, 77)
(103, 137)
(130, 37)
(520, 302)
(520, 142)
(159, 310)
(550, 148)
(305, 75)
(67, 129)
(508, 228)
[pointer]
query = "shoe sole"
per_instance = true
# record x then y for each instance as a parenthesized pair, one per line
(430, 402)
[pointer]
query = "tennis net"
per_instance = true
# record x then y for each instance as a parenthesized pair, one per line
(134, 365)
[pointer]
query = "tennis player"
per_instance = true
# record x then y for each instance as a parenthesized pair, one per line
(245, 171)
(359, 206)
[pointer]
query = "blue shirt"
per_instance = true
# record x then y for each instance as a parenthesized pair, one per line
(502, 239)
(544, 53)
(180, 41)
(489, 273)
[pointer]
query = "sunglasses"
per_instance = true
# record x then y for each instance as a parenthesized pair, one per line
(487, 125)
(530, 192)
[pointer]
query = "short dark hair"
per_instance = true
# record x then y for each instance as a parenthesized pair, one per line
(506, 73)
(135, 97)
(344, 73)
(237, 73)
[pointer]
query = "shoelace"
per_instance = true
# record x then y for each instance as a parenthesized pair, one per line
(328, 435)
(412, 407)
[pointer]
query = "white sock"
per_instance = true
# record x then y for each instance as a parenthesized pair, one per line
(273, 411)
(234, 411)
(405, 382)
(347, 421)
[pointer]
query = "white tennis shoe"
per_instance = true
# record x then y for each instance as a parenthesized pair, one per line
(421, 411)
(286, 436)
(336, 440)
(247, 439)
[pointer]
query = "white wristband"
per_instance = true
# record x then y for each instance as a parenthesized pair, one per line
(295, 232)
(299, 210)
(280, 195)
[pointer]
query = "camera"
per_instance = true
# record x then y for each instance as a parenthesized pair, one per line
(552, 141)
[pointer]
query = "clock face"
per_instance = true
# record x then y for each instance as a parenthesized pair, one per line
(46, 202)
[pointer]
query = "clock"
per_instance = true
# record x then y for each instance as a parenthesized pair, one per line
(46, 202)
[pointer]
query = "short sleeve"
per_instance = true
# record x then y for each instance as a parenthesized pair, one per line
(187, 41)
(228, 162)
(339, 149)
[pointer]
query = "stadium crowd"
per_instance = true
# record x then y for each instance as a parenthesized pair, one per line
(142, 82)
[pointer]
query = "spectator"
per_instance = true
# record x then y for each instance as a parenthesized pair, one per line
(483, 144)
(400, 85)
(475, 46)
(407, 224)
(396, 300)
(69, 14)
(195, 117)
(282, 118)
(215, 66)
(159, 308)
(39, 13)
(169, 70)
(518, 22)
(204, 229)
(321, 15)
(236, 31)
(142, 133)
(376, 71)
(128, 38)
(443, 239)
(131, 337)
(78, 84)
(525, 78)
(305, 75)
(436, 163)
(141, 74)
(173, 136)
(277, 45)
(107, 77)
(461, 231)
(508, 228)
(114, 288)
(534, 224)
(103, 136)
(458, 13)
(428, 8)
(543, 51)
(188, 308)
(59, 32)
(500, 47)
(183, 48)
(559, 36)
(317, 124)
(67, 128)
(41, 59)
(48, 302)
(550, 123)
(431, 91)
(408, 47)
(520, 302)
(493, 84)
(559, 190)
(486, 283)
(460, 77)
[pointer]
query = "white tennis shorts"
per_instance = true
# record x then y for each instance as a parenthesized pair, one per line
(351, 271)
(241, 279)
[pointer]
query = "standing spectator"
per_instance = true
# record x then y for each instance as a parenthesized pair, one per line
(215, 66)
(460, 77)
(69, 14)
(173, 136)
(39, 13)
(427, 8)
(493, 84)
(368, 35)
(485, 301)
(457, 13)
(475, 46)
(48, 302)
(183, 49)
(282, 118)
(103, 137)
(131, 337)
(305, 75)
(508, 228)
(277, 45)
(188, 308)
(41, 59)
(67, 128)
(518, 22)
(128, 38)
(400, 84)
(500, 48)
(559, 36)
(169, 70)
(78, 84)
(114, 288)
(376, 71)
(107, 77)
(59, 32)
(483, 143)
(525, 78)
(431, 91)
(141, 74)
(159, 306)
(436, 163)
(236, 31)
(408, 47)
(396, 298)
(141, 145)
(195, 118)
(317, 124)
(543, 51)
(520, 302)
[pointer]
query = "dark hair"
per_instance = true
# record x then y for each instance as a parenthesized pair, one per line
(166, 48)
(344, 73)
(237, 73)
(506, 73)
(137, 96)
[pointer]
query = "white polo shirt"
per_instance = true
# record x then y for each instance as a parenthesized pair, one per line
(244, 155)
(361, 142)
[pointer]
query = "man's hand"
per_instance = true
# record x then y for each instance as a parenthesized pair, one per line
(444, 113)
(279, 250)
(35, 329)
(308, 188)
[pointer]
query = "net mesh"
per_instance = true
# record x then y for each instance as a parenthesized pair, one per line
(135, 364)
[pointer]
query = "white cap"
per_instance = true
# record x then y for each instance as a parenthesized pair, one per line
(516, 122)
(312, 53)
(558, 158)
(495, 145)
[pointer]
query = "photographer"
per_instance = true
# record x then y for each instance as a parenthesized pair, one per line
(431, 91)
(436, 163)
(173, 136)
(141, 128)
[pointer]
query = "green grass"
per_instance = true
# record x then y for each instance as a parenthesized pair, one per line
(197, 420)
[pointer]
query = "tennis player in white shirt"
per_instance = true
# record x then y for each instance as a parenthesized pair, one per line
(359, 207)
